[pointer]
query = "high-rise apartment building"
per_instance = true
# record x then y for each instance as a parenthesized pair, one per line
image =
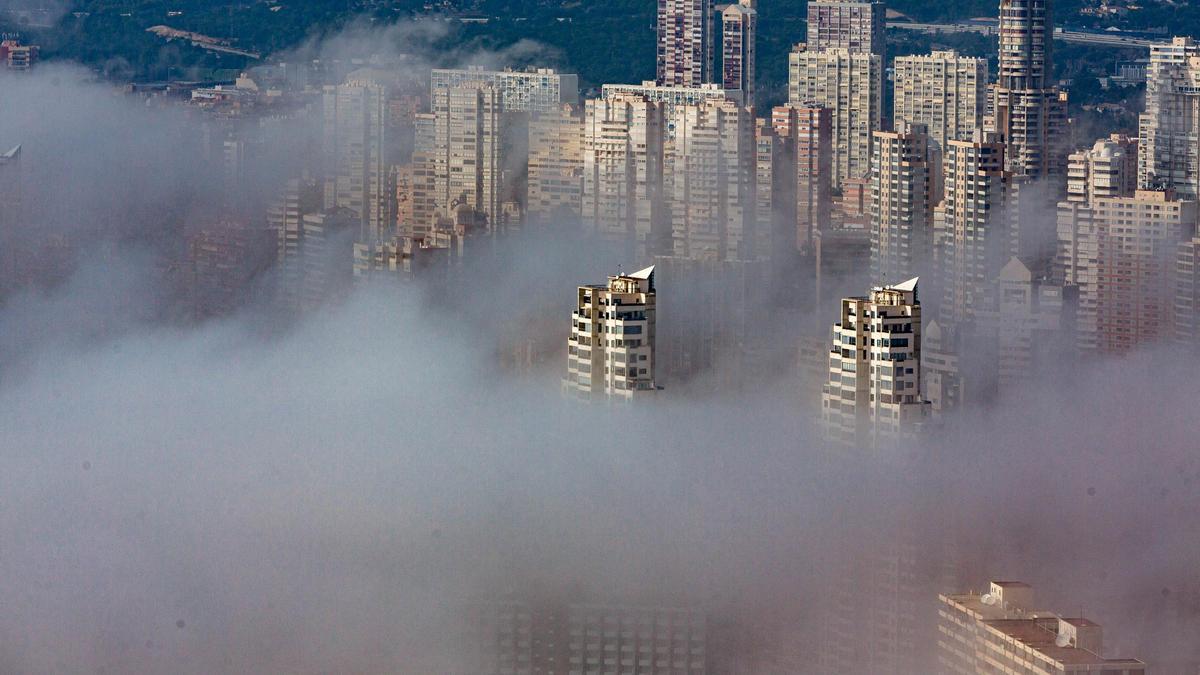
(714, 338)
(464, 156)
(610, 353)
(672, 96)
(285, 217)
(623, 172)
(850, 84)
(710, 177)
(221, 265)
(1002, 631)
(1026, 323)
(774, 201)
(855, 25)
(1108, 169)
(873, 394)
(1029, 114)
(941, 372)
(905, 176)
(808, 130)
(973, 236)
(944, 90)
(357, 149)
(1169, 130)
(556, 164)
(1135, 292)
(534, 90)
(739, 28)
(685, 42)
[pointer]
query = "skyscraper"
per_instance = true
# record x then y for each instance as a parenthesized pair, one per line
(1139, 239)
(855, 25)
(850, 84)
(905, 176)
(610, 353)
(1029, 324)
(556, 164)
(808, 130)
(1029, 114)
(973, 237)
(623, 172)
(739, 27)
(1169, 130)
(1108, 169)
(709, 171)
(944, 90)
(873, 394)
(1003, 631)
(465, 158)
(774, 200)
(685, 42)
(357, 149)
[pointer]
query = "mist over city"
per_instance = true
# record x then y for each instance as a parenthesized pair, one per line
(846, 339)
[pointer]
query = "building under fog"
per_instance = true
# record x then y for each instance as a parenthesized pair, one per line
(1004, 631)
(623, 200)
(905, 180)
(556, 154)
(357, 148)
(529, 638)
(611, 349)
(973, 233)
(709, 167)
(873, 394)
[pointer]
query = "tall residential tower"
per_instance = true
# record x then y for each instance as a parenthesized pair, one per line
(610, 353)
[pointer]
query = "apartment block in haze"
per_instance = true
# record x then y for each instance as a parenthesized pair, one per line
(610, 352)
(873, 394)
(1003, 631)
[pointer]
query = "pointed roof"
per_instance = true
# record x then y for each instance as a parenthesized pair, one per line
(910, 285)
(1015, 270)
(643, 273)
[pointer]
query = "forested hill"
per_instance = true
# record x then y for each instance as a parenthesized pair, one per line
(602, 40)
